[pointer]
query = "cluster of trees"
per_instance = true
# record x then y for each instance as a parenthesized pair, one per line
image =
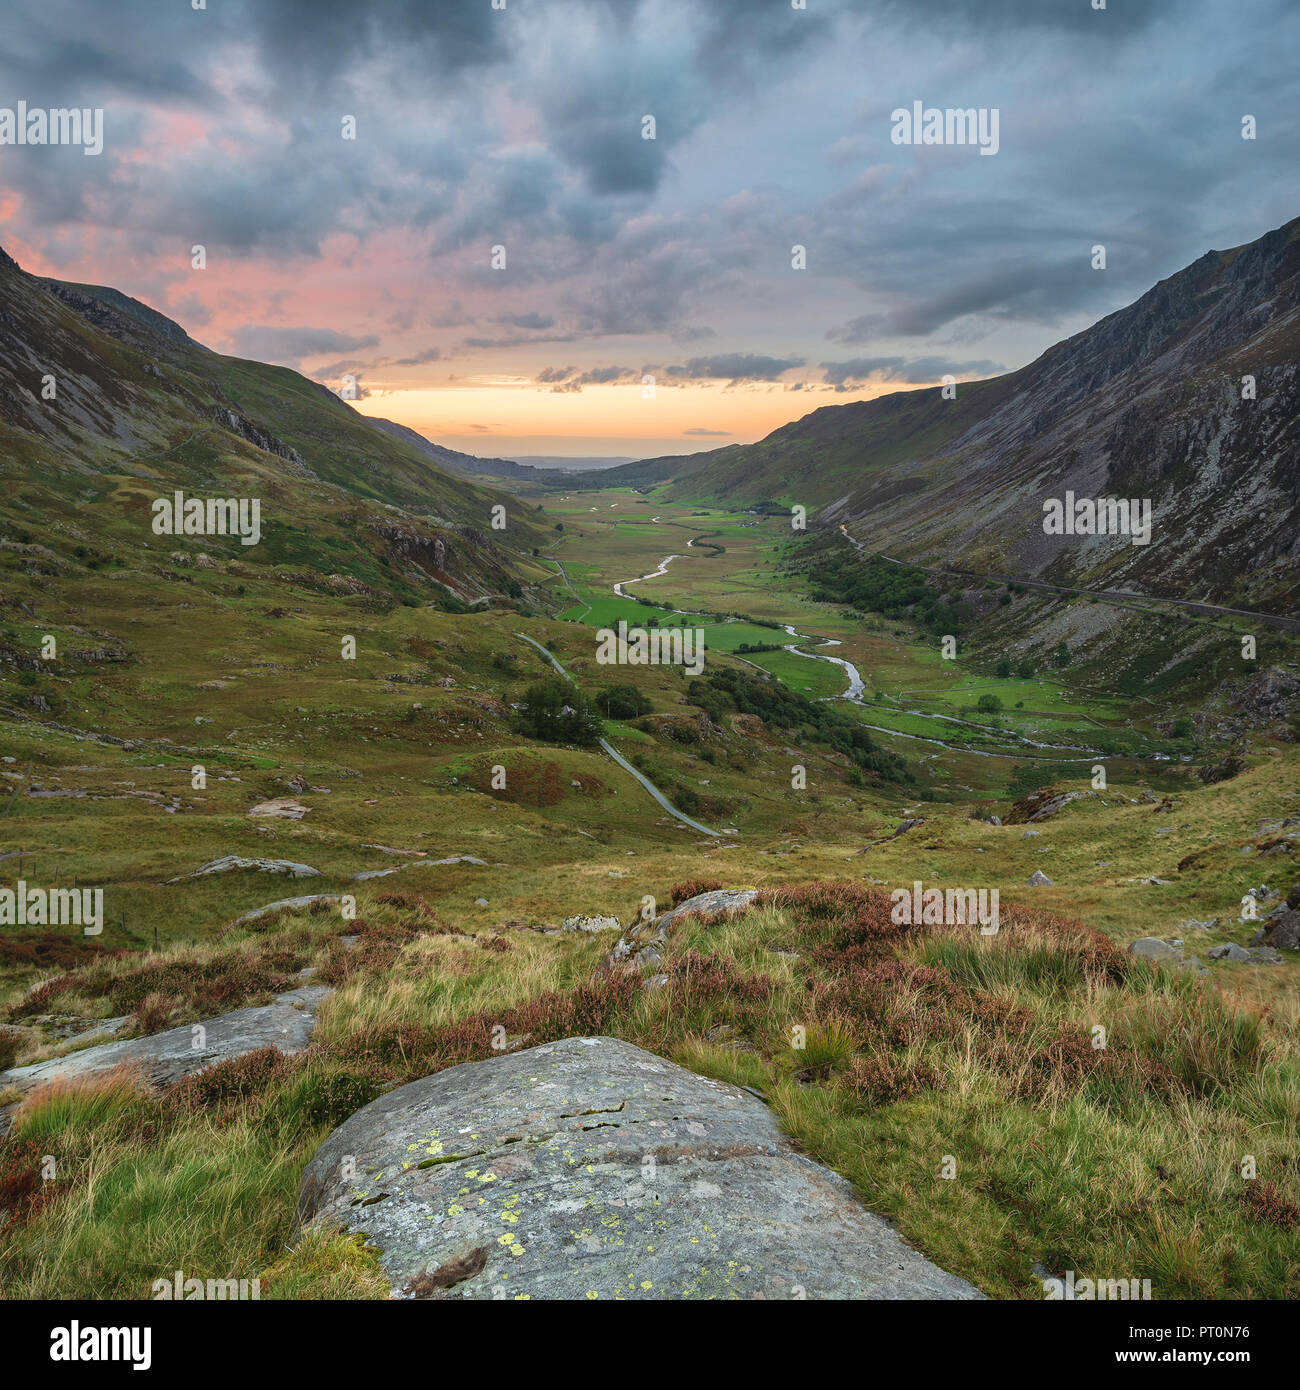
(780, 708)
(556, 712)
(621, 702)
(876, 586)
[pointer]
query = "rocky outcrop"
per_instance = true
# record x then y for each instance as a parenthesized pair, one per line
(591, 1169)
(644, 945)
(1281, 931)
(165, 1057)
(265, 866)
(590, 924)
(260, 438)
(283, 904)
(1041, 805)
(427, 551)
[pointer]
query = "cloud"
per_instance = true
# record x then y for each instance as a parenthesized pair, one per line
(735, 367)
(720, 434)
(523, 126)
(917, 371)
(289, 346)
(419, 359)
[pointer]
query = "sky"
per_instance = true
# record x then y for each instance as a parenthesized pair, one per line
(649, 302)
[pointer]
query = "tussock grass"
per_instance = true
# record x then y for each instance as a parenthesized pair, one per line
(928, 1050)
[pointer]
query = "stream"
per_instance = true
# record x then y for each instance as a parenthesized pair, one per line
(856, 688)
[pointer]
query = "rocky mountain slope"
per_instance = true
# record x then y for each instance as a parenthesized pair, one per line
(1152, 402)
(92, 382)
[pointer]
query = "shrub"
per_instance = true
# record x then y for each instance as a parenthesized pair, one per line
(1263, 1202)
(23, 1192)
(881, 1080)
(235, 1079)
(693, 887)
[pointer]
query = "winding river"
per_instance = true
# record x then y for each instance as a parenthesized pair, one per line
(856, 689)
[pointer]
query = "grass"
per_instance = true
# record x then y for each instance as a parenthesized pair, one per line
(1115, 1160)
(924, 1051)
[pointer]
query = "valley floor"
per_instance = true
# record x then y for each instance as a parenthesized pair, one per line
(235, 762)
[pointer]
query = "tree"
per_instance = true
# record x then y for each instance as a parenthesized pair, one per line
(1025, 670)
(1062, 656)
(1003, 669)
(988, 704)
(622, 702)
(557, 713)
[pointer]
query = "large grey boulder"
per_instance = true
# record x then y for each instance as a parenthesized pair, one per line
(719, 900)
(1152, 948)
(1281, 930)
(165, 1057)
(589, 1168)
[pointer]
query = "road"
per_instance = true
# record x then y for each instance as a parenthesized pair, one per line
(1110, 595)
(623, 762)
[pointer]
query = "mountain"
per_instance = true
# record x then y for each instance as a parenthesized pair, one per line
(464, 465)
(106, 405)
(1147, 403)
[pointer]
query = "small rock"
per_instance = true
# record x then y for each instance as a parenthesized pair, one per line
(591, 924)
(1230, 951)
(1038, 879)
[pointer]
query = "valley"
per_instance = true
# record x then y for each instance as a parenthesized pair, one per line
(366, 781)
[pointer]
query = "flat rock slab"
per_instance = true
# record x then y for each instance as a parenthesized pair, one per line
(264, 866)
(306, 901)
(281, 807)
(589, 1168)
(166, 1057)
(717, 900)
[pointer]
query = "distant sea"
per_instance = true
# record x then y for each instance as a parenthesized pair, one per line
(569, 465)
